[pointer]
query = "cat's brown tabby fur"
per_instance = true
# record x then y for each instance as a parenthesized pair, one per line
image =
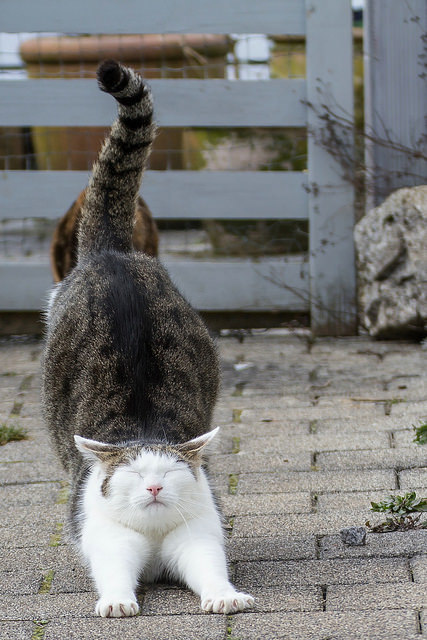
(63, 250)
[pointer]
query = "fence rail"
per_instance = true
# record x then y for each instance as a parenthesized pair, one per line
(167, 16)
(171, 194)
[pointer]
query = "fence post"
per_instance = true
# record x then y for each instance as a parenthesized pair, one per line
(331, 197)
(395, 48)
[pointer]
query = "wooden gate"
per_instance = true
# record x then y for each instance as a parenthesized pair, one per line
(321, 282)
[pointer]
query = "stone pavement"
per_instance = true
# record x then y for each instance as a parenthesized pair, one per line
(312, 431)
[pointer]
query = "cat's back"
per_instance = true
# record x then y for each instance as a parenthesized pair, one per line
(125, 353)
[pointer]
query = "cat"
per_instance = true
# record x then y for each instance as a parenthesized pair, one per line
(63, 249)
(130, 379)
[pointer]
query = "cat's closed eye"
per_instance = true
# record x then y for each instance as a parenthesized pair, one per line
(172, 470)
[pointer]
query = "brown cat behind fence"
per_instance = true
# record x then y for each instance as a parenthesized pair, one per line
(63, 249)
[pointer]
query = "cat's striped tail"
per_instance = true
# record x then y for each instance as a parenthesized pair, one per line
(109, 209)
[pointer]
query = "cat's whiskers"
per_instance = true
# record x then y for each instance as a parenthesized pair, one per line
(184, 519)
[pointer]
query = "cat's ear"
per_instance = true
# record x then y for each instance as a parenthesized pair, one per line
(193, 449)
(94, 451)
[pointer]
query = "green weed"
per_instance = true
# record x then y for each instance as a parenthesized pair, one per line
(10, 433)
(403, 513)
(420, 433)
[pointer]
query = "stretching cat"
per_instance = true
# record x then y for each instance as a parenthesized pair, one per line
(130, 367)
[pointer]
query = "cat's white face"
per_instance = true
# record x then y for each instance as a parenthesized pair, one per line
(155, 491)
(150, 489)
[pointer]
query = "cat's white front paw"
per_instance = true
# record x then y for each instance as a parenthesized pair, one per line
(116, 607)
(228, 601)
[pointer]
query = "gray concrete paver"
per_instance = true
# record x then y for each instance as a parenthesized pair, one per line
(413, 478)
(419, 568)
(323, 572)
(279, 547)
(16, 630)
(315, 480)
(326, 624)
(190, 627)
(298, 502)
(379, 596)
(396, 543)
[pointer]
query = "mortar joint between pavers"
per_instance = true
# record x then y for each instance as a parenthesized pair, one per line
(63, 493)
(17, 408)
(39, 629)
(313, 426)
(236, 415)
(26, 382)
(419, 622)
(233, 481)
(55, 538)
(324, 589)
(318, 546)
(238, 390)
(313, 461)
(46, 582)
(229, 525)
(397, 478)
(391, 439)
(229, 631)
(314, 499)
(235, 447)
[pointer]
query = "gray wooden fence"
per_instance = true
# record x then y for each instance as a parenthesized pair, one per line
(323, 282)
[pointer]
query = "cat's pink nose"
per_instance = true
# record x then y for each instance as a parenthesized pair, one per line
(154, 489)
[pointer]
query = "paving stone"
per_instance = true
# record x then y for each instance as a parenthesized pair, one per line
(349, 409)
(190, 627)
(72, 578)
(16, 630)
(410, 411)
(322, 572)
(20, 528)
(288, 598)
(249, 462)
(31, 515)
(30, 450)
(316, 481)
(43, 493)
(326, 624)
(396, 543)
(405, 438)
(413, 478)
(286, 442)
(279, 547)
(35, 557)
(20, 582)
(352, 501)
(167, 601)
(392, 458)
(46, 606)
(375, 423)
(298, 524)
(413, 386)
(379, 596)
(299, 502)
(419, 568)
(38, 471)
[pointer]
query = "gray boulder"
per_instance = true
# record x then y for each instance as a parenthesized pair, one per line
(391, 246)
